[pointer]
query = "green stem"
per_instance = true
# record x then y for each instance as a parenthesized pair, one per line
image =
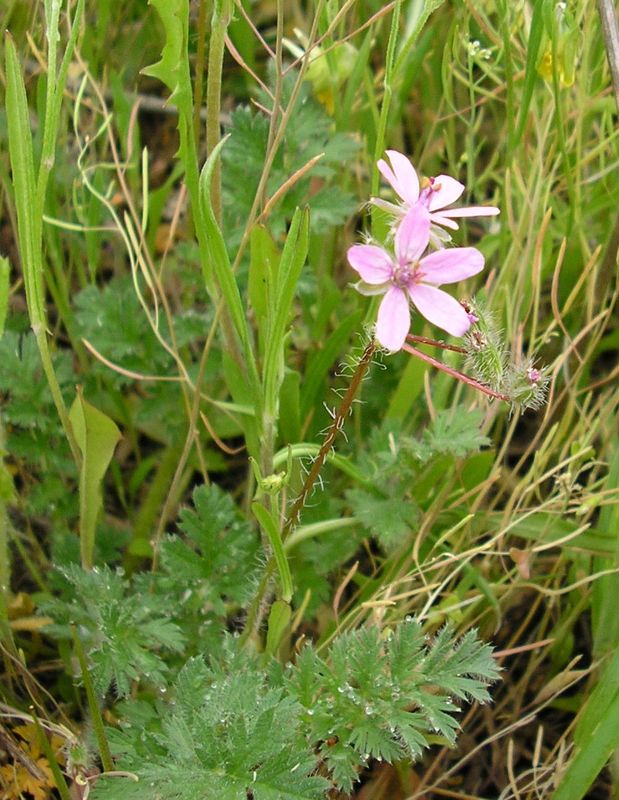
(219, 26)
(38, 328)
(59, 779)
(390, 71)
(6, 494)
(93, 706)
(202, 32)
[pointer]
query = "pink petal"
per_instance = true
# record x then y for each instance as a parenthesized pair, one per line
(449, 266)
(390, 208)
(402, 177)
(441, 219)
(472, 211)
(440, 309)
(412, 234)
(448, 192)
(371, 262)
(394, 319)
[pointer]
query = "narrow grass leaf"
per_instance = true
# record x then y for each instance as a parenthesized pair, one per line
(223, 268)
(606, 590)
(530, 75)
(596, 736)
(24, 183)
(290, 266)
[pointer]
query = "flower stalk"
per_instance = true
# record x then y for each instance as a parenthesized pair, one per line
(454, 373)
(258, 607)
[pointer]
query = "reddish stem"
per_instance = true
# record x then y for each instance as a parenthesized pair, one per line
(436, 343)
(335, 427)
(454, 373)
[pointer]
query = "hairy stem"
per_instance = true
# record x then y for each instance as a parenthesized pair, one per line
(258, 607)
(454, 373)
(335, 427)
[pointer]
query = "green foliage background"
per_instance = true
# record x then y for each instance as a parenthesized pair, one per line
(195, 287)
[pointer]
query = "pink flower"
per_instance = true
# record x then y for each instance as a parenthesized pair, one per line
(406, 276)
(435, 193)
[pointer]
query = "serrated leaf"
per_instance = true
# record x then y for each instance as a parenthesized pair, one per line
(219, 555)
(390, 519)
(456, 432)
(122, 627)
(173, 67)
(228, 730)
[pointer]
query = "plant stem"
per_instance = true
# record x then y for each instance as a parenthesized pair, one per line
(335, 427)
(95, 712)
(437, 343)
(219, 25)
(6, 493)
(454, 373)
(202, 32)
(254, 613)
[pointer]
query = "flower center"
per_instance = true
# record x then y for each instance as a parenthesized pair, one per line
(405, 274)
(428, 186)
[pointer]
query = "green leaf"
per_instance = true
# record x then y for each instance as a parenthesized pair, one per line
(605, 590)
(218, 553)
(596, 736)
(173, 68)
(228, 734)
(390, 519)
(457, 432)
(226, 279)
(124, 626)
(286, 280)
(24, 182)
(262, 270)
(530, 75)
(267, 523)
(289, 403)
(279, 617)
(96, 435)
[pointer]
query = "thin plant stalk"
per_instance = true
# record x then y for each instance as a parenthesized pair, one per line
(31, 186)
(258, 606)
(219, 26)
(93, 706)
(454, 373)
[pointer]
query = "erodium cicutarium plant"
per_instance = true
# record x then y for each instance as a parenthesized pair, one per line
(415, 262)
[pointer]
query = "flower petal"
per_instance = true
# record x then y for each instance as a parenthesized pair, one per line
(440, 308)
(448, 191)
(402, 177)
(390, 208)
(394, 319)
(412, 234)
(371, 262)
(442, 219)
(472, 211)
(449, 266)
